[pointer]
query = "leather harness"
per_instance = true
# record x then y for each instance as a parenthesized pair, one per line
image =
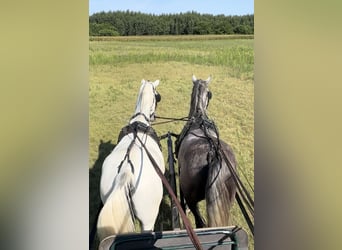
(136, 127)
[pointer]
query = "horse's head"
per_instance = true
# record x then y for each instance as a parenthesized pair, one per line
(200, 97)
(147, 100)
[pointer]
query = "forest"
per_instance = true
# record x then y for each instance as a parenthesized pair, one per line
(130, 23)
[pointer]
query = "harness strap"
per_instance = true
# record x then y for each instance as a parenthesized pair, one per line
(127, 155)
(242, 191)
(248, 200)
(169, 119)
(136, 127)
(244, 212)
(189, 229)
(185, 118)
(140, 113)
(193, 123)
(236, 178)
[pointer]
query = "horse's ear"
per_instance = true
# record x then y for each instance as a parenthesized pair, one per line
(156, 83)
(101, 141)
(194, 79)
(142, 81)
(208, 80)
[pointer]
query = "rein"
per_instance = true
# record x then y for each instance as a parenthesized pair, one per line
(134, 128)
(170, 119)
(189, 229)
(242, 193)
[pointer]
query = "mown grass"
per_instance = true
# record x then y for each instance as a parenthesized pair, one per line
(117, 67)
(236, 54)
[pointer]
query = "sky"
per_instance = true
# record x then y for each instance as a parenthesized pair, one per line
(214, 7)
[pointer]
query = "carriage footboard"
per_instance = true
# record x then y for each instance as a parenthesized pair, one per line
(231, 238)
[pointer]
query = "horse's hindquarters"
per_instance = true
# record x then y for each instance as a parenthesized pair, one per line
(116, 215)
(193, 165)
(204, 174)
(110, 169)
(144, 192)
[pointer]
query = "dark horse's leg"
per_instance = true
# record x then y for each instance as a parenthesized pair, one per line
(182, 200)
(198, 218)
(200, 222)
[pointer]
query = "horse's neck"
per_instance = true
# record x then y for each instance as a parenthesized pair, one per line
(142, 109)
(198, 117)
(197, 110)
(141, 115)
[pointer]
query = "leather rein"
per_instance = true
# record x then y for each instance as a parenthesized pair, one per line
(136, 127)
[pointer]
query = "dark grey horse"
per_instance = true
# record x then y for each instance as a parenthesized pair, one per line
(204, 173)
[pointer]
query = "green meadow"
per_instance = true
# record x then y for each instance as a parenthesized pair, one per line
(118, 64)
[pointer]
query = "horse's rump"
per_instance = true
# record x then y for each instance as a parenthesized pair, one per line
(116, 215)
(205, 175)
(221, 188)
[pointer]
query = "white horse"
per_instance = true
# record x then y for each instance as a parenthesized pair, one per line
(129, 184)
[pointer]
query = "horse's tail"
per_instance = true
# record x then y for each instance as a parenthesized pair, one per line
(116, 215)
(220, 194)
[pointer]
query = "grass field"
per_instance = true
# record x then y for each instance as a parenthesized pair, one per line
(117, 66)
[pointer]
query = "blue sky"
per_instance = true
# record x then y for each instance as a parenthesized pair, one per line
(215, 7)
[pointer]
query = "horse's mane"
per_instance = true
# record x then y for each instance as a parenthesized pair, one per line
(196, 106)
(140, 94)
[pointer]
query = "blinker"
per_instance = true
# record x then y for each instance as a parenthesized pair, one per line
(158, 97)
(209, 95)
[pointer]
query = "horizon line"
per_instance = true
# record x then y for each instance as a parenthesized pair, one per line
(181, 12)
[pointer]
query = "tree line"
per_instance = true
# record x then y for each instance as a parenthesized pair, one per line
(129, 23)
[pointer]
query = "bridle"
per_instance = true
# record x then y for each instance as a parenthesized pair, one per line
(157, 98)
